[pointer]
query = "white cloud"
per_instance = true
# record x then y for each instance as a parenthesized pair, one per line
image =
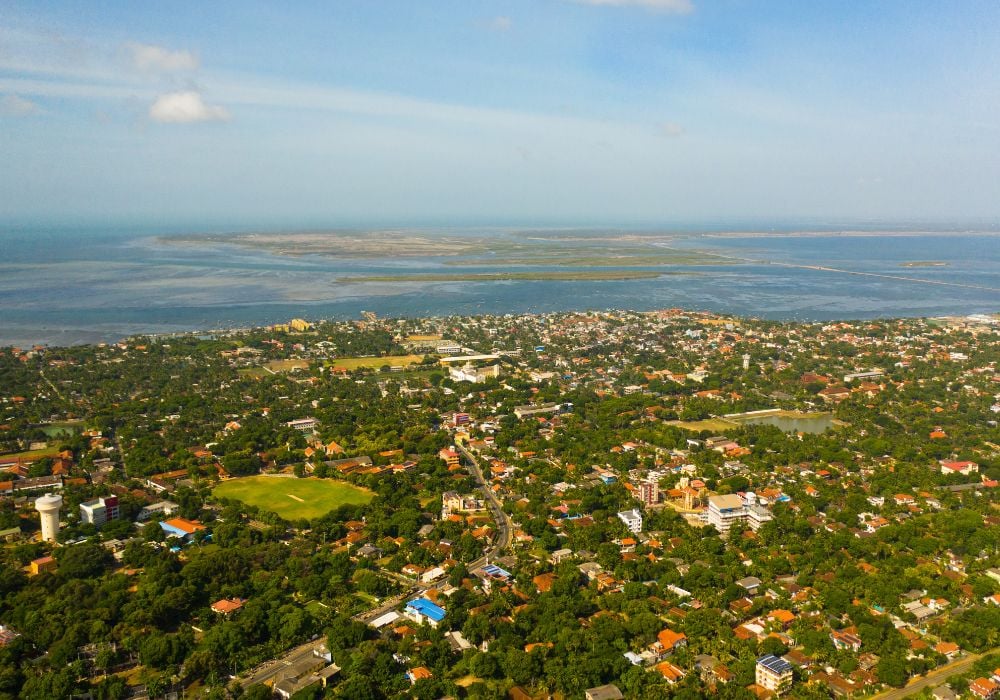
(15, 106)
(156, 59)
(185, 108)
(671, 129)
(680, 7)
(501, 24)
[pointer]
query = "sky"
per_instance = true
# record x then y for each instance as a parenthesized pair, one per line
(610, 112)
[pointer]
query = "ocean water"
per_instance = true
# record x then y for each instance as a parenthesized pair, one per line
(65, 286)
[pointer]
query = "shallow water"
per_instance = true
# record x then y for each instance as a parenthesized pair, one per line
(62, 286)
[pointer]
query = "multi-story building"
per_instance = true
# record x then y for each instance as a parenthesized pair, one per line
(99, 511)
(424, 611)
(450, 457)
(155, 510)
(757, 515)
(774, 674)
(532, 410)
(985, 688)
(649, 492)
(965, 468)
(725, 510)
(304, 425)
(728, 510)
(476, 375)
(41, 565)
(632, 519)
(452, 502)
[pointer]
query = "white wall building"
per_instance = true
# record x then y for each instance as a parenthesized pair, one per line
(48, 509)
(632, 519)
(156, 510)
(774, 674)
(476, 375)
(99, 511)
(725, 510)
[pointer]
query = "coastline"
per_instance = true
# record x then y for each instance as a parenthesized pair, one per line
(69, 287)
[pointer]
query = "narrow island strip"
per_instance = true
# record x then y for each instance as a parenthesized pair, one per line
(559, 276)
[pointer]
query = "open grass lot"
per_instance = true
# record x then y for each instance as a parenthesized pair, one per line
(31, 454)
(715, 425)
(376, 362)
(287, 365)
(292, 498)
(417, 338)
(254, 372)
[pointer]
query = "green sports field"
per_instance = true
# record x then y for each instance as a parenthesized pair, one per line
(352, 363)
(292, 498)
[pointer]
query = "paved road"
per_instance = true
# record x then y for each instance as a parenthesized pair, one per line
(504, 534)
(387, 605)
(48, 381)
(268, 671)
(504, 526)
(934, 678)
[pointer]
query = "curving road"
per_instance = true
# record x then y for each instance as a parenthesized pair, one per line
(268, 671)
(504, 534)
(934, 678)
(505, 529)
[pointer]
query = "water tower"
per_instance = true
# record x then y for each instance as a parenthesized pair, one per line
(48, 508)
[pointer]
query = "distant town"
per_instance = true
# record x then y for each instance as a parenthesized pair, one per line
(572, 505)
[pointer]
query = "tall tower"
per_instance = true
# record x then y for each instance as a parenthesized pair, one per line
(48, 508)
(746, 361)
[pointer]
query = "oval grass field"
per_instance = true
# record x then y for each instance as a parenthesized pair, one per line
(292, 498)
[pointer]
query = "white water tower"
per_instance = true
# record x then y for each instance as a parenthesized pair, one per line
(48, 508)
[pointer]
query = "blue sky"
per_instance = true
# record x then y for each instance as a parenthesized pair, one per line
(532, 111)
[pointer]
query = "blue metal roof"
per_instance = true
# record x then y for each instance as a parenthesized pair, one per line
(175, 531)
(427, 609)
(496, 571)
(773, 663)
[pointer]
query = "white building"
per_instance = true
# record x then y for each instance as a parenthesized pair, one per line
(156, 510)
(632, 519)
(728, 510)
(757, 515)
(964, 468)
(476, 375)
(873, 374)
(48, 509)
(99, 511)
(384, 620)
(774, 674)
(432, 574)
(305, 425)
(725, 510)
(452, 502)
